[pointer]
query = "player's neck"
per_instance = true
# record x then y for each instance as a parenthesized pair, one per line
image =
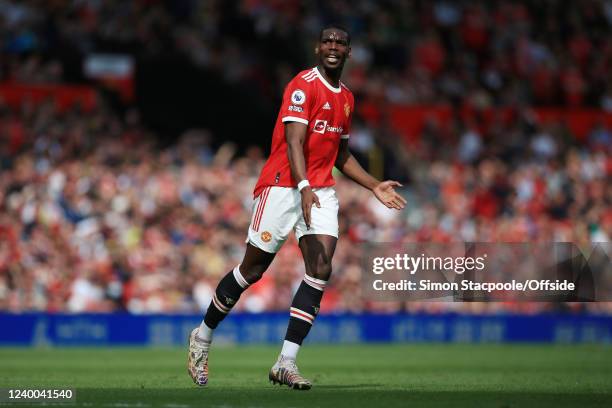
(333, 77)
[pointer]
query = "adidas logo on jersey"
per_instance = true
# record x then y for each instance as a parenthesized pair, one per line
(327, 106)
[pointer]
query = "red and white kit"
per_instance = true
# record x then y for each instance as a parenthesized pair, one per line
(327, 111)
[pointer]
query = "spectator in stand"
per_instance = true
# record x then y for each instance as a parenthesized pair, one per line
(100, 227)
(431, 51)
(94, 216)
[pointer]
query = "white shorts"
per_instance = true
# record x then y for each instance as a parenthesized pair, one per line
(278, 210)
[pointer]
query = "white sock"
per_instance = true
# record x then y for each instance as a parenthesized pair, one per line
(205, 333)
(290, 350)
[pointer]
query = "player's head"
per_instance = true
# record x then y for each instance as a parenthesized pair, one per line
(333, 47)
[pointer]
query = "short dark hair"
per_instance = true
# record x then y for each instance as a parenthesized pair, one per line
(337, 27)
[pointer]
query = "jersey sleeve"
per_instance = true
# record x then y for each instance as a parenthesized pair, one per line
(297, 101)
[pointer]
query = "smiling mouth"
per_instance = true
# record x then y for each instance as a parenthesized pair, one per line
(333, 59)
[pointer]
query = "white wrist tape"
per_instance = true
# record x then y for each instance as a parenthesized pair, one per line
(303, 184)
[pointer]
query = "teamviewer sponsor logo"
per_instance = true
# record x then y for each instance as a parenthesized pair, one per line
(319, 126)
(335, 129)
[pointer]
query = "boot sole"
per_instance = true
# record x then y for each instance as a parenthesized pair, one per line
(296, 386)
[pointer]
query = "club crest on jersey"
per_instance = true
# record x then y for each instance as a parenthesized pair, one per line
(266, 236)
(298, 97)
(347, 109)
(319, 126)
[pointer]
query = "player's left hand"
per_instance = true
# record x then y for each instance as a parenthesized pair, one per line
(387, 195)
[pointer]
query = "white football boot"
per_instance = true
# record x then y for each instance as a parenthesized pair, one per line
(285, 371)
(197, 363)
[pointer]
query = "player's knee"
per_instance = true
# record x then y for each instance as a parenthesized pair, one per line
(321, 270)
(253, 273)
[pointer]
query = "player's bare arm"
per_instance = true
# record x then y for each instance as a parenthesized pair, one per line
(295, 134)
(384, 191)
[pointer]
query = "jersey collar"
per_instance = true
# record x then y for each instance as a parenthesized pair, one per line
(327, 84)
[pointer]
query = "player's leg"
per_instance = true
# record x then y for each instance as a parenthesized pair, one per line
(229, 289)
(270, 225)
(317, 244)
(317, 251)
(227, 293)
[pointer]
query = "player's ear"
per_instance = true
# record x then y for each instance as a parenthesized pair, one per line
(317, 50)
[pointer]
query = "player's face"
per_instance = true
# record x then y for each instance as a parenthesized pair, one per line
(333, 49)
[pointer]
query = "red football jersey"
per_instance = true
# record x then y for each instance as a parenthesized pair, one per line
(327, 111)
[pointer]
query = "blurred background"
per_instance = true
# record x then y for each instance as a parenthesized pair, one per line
(132, 134)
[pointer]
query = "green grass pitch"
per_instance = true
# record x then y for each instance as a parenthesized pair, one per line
(501, 376)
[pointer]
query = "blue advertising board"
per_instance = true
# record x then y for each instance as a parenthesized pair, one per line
(38, 329)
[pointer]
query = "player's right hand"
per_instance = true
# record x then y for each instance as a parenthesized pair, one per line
(309, 198)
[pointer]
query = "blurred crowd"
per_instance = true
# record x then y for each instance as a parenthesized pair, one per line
(484, 53)
(95, 217)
